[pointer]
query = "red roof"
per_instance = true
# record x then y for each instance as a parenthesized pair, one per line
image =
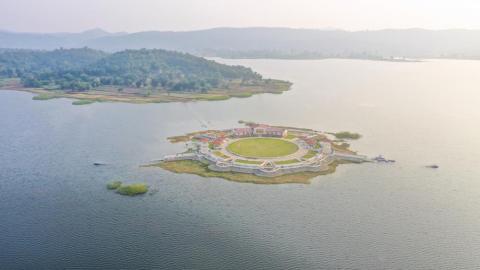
(311, 141)
(218, 141)
(203, 139)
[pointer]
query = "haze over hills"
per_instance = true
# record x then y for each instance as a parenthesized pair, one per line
(84, 69)
(264, 42)
(49, 41)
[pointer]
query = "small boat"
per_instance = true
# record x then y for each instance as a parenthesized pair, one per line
(380, 158)
(433, 166)
(99, 164)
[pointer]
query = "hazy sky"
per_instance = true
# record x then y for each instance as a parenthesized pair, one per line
(141, 15)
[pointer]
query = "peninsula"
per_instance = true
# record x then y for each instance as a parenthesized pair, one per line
(259, 153)
(135, 76)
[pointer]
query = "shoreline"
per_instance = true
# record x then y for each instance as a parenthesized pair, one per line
(223, 154)
(200, 169)
(111, 95)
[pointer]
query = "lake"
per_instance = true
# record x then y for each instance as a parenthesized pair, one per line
(55, 212)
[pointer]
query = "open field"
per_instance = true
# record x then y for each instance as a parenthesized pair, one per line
(262, 147)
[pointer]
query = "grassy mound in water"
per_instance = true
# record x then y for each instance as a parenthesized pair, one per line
(83, 102)
(114, 185)
(347, 135)
(132, 189)
(44, 97)
(129, 190)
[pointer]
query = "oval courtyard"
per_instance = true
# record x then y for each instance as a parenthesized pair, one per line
(262, 148)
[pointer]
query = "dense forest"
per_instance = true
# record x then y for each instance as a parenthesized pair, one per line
(84, 69)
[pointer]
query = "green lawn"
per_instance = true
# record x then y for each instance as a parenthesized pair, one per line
(310, 154)
(244, 161)
(262, 147)
(285, 162)
(290, 136)
(220, 154)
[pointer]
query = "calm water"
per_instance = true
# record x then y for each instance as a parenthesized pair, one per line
(56, 213)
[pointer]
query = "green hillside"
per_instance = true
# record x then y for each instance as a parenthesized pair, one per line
(86, 69)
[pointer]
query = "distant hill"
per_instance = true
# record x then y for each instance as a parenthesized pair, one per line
(21, 63)
(50, 41)
(84, 69)
(270, 42)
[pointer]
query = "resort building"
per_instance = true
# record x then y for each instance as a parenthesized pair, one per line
(243, 132)
(310, 142)
(218, 141)
(265, 130)
(261, 131)
(205, 136)
(320, 153)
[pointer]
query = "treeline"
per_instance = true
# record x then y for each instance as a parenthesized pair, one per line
(84, 69)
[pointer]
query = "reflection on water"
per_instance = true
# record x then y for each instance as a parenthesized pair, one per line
(57, 213)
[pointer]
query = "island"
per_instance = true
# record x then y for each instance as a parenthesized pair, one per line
(260, 154)
(134, 76)
(128, 190)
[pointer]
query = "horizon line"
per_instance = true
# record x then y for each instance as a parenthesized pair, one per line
(239, 28)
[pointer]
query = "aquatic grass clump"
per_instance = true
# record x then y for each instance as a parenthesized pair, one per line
(83, 102)
(114, 185)
(133, 189)
(241, 95)
(347, 135)
(129, 190)
(44, 96)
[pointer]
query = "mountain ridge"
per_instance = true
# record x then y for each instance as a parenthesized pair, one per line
(268, 42)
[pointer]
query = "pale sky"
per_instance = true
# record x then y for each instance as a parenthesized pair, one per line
(143, 15)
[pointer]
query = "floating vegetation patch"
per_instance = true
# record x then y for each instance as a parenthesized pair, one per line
(128, 190)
